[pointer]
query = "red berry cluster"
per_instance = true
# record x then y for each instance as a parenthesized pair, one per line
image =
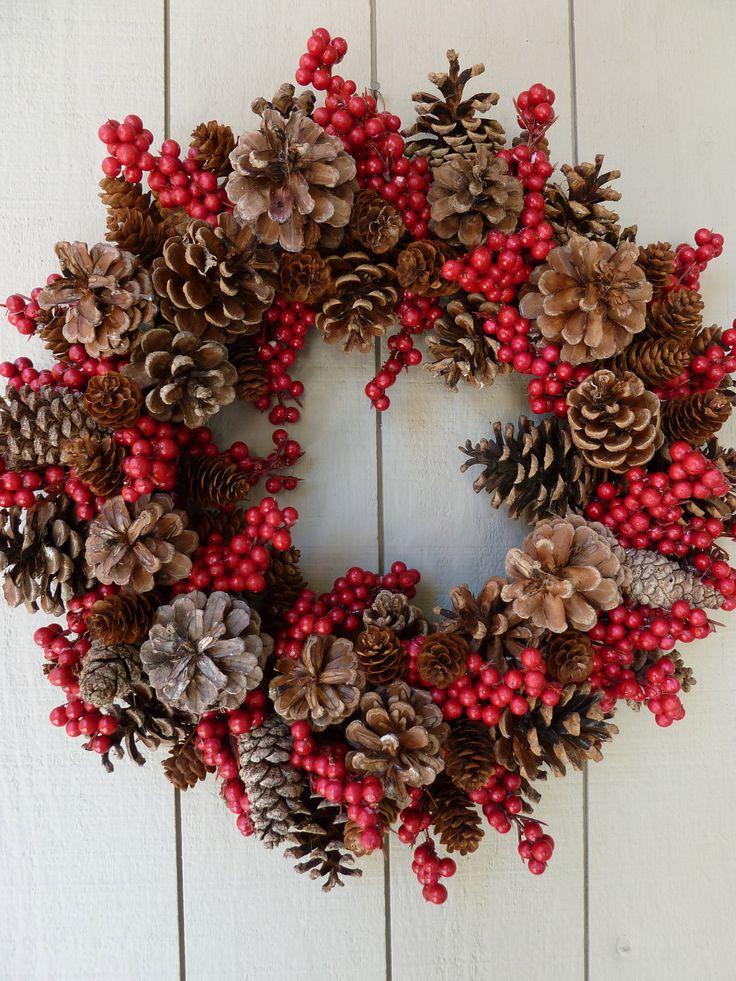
(535, 847)
(706, 371)
(23, 312)
(128, 147)
(397, 178)
(21, 372)
(283, 333)
(416, 314)
(429, 868)
(322, 54)
(534, 111)
(690, 262)
(285, 455)
(499, 798)
(154, 449)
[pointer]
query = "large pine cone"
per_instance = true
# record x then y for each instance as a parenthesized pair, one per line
(399, 738)
(140, 545)
(659, 582)
(184, 767)
(205, 652)
(213, 143)
(566, 570)
(304, 277)
(469, 755)
(394, 610)
(381, 656)
(317, 843)
(374, 223)
(448, 127)
(589, 297)
(361, 304)
(103, 297)
(471, 196)
(124, 618)
(322, 686)
(190, 379)
(569, 657)
(108, 673)
(658, 262)
(419, 268)
(580, 208)
(455, 818)
(533, 471)
(614, 421)
(460, 349)
(696, 418)
(442, 659)
(97, 463)
(291, 182)
(37, 426)
(113, 400)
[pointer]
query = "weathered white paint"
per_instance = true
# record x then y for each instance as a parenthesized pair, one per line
(90, 860)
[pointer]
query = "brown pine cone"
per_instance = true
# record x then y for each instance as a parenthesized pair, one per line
(460, 349)
(419, 265)
(658, 262)
(113, 400)
(211, 481)
(395, 611)
(116, 192)
(140, 231)
(283, 101)
(375, 223)
(225, 524)
(655, 360)
(361, 304)
(304, 277)
(658, 581)
(569, 657)
(97, 463)
(214, 143)
(469, 759)
(581, 207)
(454, 817)
(614, 421)
(35, 426)
(251, 382)
(704, 338)
(678, 314)
(108, 673)
(696, 418)
(284, 583)
(381, 656)
(388, 811)
(442, 659)
(123, 619)
(184, 766)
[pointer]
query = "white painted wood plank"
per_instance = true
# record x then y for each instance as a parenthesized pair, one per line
(89, 874)
(498, 919)
(219, 64)
(652, 86)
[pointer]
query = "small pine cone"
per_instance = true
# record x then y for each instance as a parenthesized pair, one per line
(580, 208)
(461, 351)
(696, 418)
(704, 338)
(225, 524)
(381, 656)
(108, 673)
(419, 265)
(469, 759)
(213, 143)
(442, 659)
(251, 383)
(51, 333)
(184, 766)
(656, 360)
(569, 657)
(395, 611)
(388, 811)
(361, 304)
(375, 223)
(116, 192)
(211, 482)
(124, 618)
(658, 581)
(284, 584)
(283, 101)
(97, 463)
(144, 721)
(113, 400)
(304, 277)
(140, 231)
(683, 673)
(454, 817)
(678, 314)
(658, 263)
(316, 839)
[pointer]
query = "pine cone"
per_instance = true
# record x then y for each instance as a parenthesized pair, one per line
(566, 570)
(399, 738)
(273, 786)
(658, 263)
(37, 426)
(51, 332)
(284, 102)
(322, 686)
(140, 545)
(706, 336)
(144, 721)
(614, 420)
(361, 304)
(394, 610)
(455, 818)
(678, 314)
(469, 755)
(656, 360)
(211, 481)
(284, 584)
(190, 379)
(447, 128)
(376, 224)
(304, 277)
(122, 619)
(291, 182)
(442, 659)
(579, 209)
(112, 400)
(419, 268)
(214, 143)
(108, 673)
(381, 656)
(722, 508)
(103, 294)
(42, 556)
(215, 282)
(553, 736)
(251, 383)
(696, 418)
(184, 766)
(388, 811)
(219, 522)
(590, 297)
(460, 348)
(205, 652)
(140, 231)
(659, 582)
(535, 471)
(471, 196)
(569, 657)
(116, 193)
(97, 463)
(316, 834)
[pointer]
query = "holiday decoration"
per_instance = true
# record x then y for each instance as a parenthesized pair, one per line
(184, 620)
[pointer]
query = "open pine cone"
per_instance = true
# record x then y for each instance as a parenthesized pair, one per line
(460, 349)
(375, 223)
(394, 610)
(304, 277)
(419, 268)
(360, 306)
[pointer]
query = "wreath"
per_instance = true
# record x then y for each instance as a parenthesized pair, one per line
(183, 619)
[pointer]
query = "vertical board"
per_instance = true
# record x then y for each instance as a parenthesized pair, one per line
(218, 66)
(651, 95)
(434, 521)
(89, 870)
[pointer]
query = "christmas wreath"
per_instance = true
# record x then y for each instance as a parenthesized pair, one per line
(332, 719)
